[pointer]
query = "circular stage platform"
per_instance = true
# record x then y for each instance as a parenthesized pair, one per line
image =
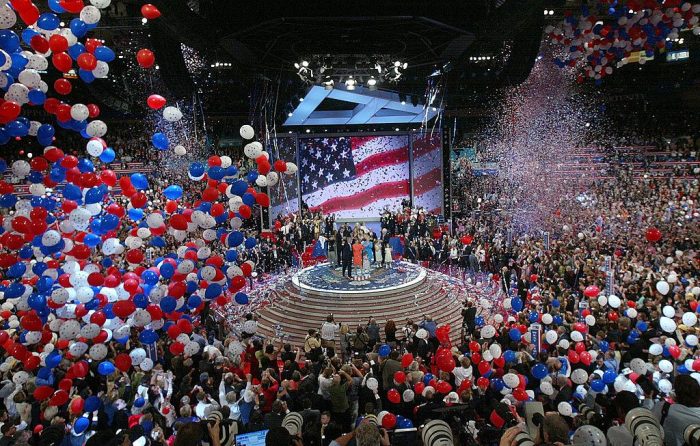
(328, 279)
(290, 304)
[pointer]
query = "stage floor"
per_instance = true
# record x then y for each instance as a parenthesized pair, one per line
(328, 279)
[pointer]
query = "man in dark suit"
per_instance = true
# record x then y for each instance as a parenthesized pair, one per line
(338, 245)
(347, 259)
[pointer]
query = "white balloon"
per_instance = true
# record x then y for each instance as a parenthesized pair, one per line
(576, 336)
(247, 132)
(102, 4)
(662, 287)
(96, 128)
(8, 18)
(101, 70)
(665, 366)
(172, 114)
(291, 169)
(579, 376)
(146, 364)
(30, 78)
(564, 409)
(21, 168)
(590, 320)
(79, 112)
(252, 150)
(90, 15)
(614, 301)
(98, 352)
(667, 324)
(691, 340)
(665, 386)
(511, 380)
(551, 337)
(488, 331)
(638, 366)
(137, 356)
(547, 318)
(546, 387)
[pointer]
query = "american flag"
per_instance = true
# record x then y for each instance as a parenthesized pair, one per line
(427, 172)
(358, 176)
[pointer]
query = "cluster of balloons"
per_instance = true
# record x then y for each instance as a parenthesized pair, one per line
(77, 273)
(598, 45)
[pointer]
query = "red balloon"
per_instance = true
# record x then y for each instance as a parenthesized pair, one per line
(87, 61)
(443, 387)
(653, 235)
(39, 44)
(9, 111)
(149, 11)
(389, 420)
(134, 256)
(43, 392)
(59, 398)
(145, 58)
(573, 357)
(93, 110)
(62, 62)
(76, 406)
(58, 43)
(394, 396)
(156, 101)
(483, 383)
(520, 394)
(400, 377)
(585, 358)
(29, 14)
(406, 360)
(675, 351)
(280, 166)
(123, 308)
(32, 363)
(245, 211)
(419, 387)
(74, 6)
(123, 362)
(591, 291)
(484, 367)
(262, 199)
(446, 363)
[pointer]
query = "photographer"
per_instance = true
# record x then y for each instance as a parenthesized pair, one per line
(684, 412)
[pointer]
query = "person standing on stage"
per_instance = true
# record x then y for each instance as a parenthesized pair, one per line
(346, 255)
(357, 250)
(338, 245)
(378, 254)
(388, 255)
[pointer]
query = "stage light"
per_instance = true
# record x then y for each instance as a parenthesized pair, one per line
(372, 83)
(290, 114)
(308, 130)
(144, 21)
(328, 83)
(350, 83)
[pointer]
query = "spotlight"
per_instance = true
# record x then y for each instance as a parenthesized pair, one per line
(144, 21)
(308, 130)
(305, 73)
(290, 114)
(350, 83)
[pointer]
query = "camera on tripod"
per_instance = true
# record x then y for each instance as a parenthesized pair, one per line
(644, 427)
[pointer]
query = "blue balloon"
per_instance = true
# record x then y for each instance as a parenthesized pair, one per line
(597, 385)
(94, 195)
(149, 277)
(533, 317)
(82, 423)
(139, 402)
(167, 270)
(48, 21)
(160, 142)
(107, 155)
(148, 337)
(555, 303)
(9, 41)
(3, 165)
(252, 176)
(168, 304)
(239, 187)
(17, 269)
(539, 371)
(104, 53)
(241, 298)
(515, 334)
(78, 27)
(86, 76)
(250, 243)
(479, 321)
(173, 192)
(16, 128)
(53, 360)
(105, 368)
(231, 255)
(56, 7)
(235, 238)
(516, 303)
(642, 326)
(509, 356)
(139, 181)
(194, 301)
(213, 291)
(197, 170)
(497, 384)
(609, 377)
(36, 97)
(92, 240)
(249, 199)
(216, 173)
(557, 319)
(92, 403)
(384, 351)
(135, 214)
(36, 301)
(604, 346)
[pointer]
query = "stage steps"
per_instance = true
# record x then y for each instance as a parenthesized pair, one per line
(297, 312)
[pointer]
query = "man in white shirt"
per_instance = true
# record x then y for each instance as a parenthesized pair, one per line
(328, 332)
(464, 371)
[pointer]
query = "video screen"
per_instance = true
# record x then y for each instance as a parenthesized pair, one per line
(354, 176)
(427, 171)
(284, 196)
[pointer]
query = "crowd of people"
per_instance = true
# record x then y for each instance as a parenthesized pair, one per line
(408, 376)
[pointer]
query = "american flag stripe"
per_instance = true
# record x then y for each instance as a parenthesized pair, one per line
(365, 147)
(348, 189)
(427, 182)
(381, 160)
(366, 197)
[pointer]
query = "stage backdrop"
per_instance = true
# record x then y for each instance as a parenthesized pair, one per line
(358, 177)
(284, 196)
